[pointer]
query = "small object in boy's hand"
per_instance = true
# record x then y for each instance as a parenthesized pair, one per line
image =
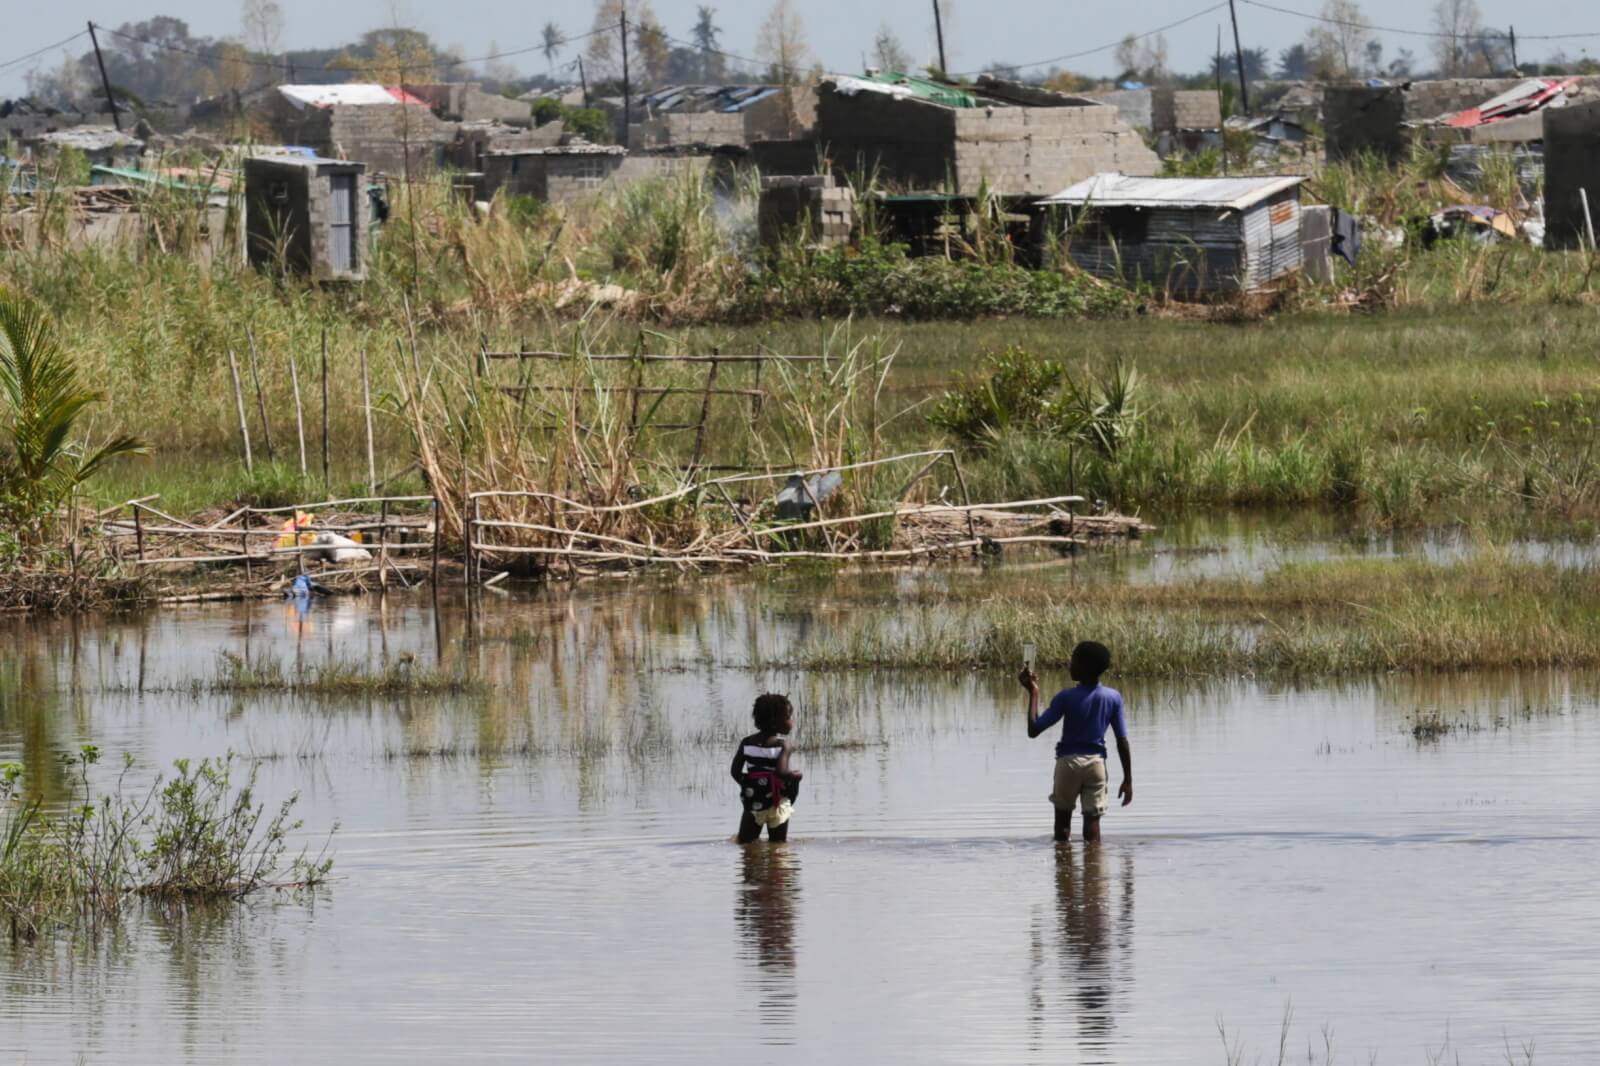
(1030, 653)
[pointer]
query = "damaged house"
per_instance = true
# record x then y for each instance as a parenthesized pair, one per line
(718, 115)
(389, 129)
(1014, 140)
(1185, 235)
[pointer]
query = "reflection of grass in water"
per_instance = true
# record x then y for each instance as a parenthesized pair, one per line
(1346, 616)
(241, 675)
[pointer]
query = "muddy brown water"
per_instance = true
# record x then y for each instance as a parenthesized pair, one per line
(544, 873)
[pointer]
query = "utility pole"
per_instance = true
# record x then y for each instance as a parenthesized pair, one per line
(116, 117)
(1219, 98)
(583, 81)
(1514, 66)
(1238, 57)
(627, 84)
(938, 32)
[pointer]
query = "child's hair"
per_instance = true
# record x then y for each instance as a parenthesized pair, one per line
(1092, 657)
(771, 711)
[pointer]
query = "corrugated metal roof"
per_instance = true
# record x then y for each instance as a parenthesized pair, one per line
(906, 86)
(1122, 190)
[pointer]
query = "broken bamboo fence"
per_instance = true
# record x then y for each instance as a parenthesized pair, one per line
(574, 530)
(397, 527)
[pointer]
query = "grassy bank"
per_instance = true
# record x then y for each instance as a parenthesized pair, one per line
(1312, 620)
(1471, 394)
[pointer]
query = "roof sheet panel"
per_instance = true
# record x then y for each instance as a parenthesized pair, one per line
(1122, 190)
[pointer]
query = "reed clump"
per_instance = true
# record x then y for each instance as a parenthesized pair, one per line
(1307, 620)
(265, 675)
(197, 835)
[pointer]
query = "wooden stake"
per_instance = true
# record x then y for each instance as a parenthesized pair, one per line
(383, 520)
(705, 413)
(433, 578)
(261, 402)
(327, 476)
(366, 407)
(238, 402)
(138, 532)
(299, 413)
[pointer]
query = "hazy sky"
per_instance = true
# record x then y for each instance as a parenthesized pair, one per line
(978, 32)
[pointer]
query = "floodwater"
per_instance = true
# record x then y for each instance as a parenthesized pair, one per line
(544, 872)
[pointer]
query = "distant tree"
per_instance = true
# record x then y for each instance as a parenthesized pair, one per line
(1066, 81)
(1257, 65)
(1127, 57)
(653, 49)
(707, 37)
(1374, 55)
(605, 51)
(887, 51)
(551, 43)
(262, 21)
(1338, 43)
(391, 56)
(67, 84)
(1144, 60)
(1402, 65)
(782, 45)
(1294, 63)
(1456, 22)
(1489, 53)
(1007, 71)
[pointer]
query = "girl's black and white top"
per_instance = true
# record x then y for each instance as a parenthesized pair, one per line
(762, 786)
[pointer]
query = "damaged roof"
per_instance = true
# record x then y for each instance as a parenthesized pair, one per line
(303, 96)
(692, 98)
(1122, 190)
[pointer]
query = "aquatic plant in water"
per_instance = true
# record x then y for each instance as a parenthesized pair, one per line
(194, 836)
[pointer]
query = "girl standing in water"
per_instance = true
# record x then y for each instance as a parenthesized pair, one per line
(768, 787)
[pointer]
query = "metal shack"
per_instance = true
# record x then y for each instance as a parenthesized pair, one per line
(306, 215)
(1184, 234)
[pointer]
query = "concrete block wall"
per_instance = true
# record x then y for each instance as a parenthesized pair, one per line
(385, 137)
(687, 128)
(1359, 119)
(1196, 109)
(816, 205)
(1135, 106)
(769, 119)
(1571, 163)
(907, 142)
(1035, 151)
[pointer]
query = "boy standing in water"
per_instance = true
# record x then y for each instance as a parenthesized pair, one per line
(1085, 712)
(767, 785)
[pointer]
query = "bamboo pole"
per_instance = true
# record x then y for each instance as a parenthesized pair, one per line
(327, 476)
(261, 400)
(366, 407)
(299, 412)
(238, 402)
(705, 415)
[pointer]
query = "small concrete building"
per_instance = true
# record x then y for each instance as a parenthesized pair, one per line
(1185, 235)
(1571, 173)
(556, 174)
(306, 215)
(1016, 140)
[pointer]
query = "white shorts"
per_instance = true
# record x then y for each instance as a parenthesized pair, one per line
(771, 816)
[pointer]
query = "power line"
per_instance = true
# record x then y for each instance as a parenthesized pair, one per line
(1107, 47)
(1435, 34)
(41, 51)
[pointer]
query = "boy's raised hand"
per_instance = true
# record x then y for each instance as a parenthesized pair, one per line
(1029, 679)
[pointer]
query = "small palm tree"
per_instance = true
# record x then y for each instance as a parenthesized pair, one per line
(41, 464)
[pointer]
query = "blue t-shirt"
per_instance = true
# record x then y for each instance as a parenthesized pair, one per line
(1084, 713)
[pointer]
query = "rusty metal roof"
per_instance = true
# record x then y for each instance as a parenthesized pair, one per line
(1122, 190)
